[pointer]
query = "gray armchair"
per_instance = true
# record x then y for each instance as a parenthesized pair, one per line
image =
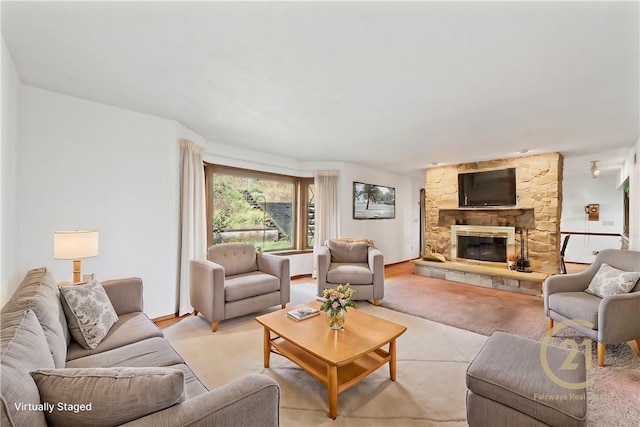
(612, 319)
(355, 262)
(236, 280)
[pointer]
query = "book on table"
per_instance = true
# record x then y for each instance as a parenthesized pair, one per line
(303, 313)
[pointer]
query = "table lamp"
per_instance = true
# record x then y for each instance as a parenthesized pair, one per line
(75, 245)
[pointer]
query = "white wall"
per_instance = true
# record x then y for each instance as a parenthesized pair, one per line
(9, 200)
(89, 165)
(399, 238)
(579, 189)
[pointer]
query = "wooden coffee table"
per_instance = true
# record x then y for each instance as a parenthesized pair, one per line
(339, 359)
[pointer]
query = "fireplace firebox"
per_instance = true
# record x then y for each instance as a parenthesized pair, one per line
(480, 243)
(490, 249)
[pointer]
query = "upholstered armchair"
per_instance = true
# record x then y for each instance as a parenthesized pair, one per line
(609, 319)
(235, 280)
(358, 263)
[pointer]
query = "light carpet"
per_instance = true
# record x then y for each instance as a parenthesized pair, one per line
(431, 363)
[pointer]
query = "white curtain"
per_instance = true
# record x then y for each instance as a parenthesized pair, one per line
(327, 213)
(193, 230)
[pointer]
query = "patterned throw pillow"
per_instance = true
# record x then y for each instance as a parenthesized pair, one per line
(89, 312)
(611, 281)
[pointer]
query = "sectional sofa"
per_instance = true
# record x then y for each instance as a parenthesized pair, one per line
(132, 377)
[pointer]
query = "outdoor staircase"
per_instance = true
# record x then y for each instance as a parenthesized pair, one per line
(269, 222)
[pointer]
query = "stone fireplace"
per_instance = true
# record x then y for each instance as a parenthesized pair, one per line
(482, 243)
(539, 203)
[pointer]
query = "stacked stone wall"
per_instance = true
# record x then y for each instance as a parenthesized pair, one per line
(538, 187)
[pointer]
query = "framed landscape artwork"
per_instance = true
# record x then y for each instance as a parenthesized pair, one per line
(373, 201)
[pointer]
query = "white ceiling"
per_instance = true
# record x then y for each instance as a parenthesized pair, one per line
(391, 85)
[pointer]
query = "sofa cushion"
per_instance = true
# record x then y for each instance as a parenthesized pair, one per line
(107, 396)
(611, 281)
(236, 258)
(249, 285)
(355, 274)
(192, 385)
(355, 252)
(23, 348)
(576, 305)
(39, 292)
(131, 328)
(89, 312)
(150, 352)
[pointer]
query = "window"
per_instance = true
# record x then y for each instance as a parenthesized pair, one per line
(310, 220)
(268, 210)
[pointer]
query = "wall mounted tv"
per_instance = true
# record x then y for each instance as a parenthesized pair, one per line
(487, 188)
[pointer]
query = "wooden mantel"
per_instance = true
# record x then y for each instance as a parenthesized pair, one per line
(500, 216)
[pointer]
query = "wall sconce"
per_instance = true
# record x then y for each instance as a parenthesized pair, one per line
(75, 245)
(595, 169)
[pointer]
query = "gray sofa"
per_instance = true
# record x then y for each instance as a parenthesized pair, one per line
(35, 336)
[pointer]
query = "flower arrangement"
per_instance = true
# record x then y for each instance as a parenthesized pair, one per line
(338, 299)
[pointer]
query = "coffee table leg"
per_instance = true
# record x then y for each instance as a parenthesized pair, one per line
(392, 360)
(267, 347)
(332, 388)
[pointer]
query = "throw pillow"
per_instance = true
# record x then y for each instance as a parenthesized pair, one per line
(611, 281)
(106, 396)
(89, 312)
(434, 257)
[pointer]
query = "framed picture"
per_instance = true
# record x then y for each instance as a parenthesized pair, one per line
(373, 201)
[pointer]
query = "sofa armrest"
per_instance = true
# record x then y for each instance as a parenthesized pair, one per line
(376, 265)
(278, 266)
(206, 289)
(125, 294)
(557, 283)
(275, 265)
(566, 283)
(323, 260)
(253, 400)
(619, 318)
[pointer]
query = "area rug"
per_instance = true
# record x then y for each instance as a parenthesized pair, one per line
(429, 391)
(467, 307)
(473, 308)
(430, 388)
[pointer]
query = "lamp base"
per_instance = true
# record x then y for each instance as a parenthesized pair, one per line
(77, 276)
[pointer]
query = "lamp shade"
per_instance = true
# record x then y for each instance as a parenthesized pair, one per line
(75, 244)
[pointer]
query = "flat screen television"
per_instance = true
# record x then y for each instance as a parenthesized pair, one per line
(487, 188)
